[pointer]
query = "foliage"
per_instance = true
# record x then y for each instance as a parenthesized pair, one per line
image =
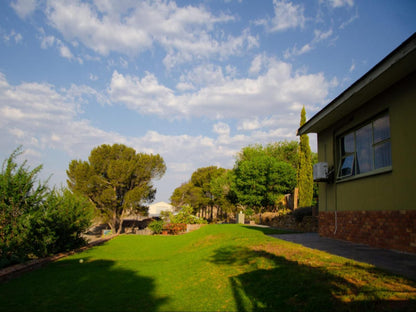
(203, 190)
(261, 178)
(184, 216)
(35, 220)
(19, 198)
(156, 226)
(305, 177)
(216, 268)
(187, 194)
(223, 191)
(117, 180)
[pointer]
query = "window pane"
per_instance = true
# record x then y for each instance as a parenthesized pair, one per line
(382, 155)
(364, 149)
(347, 144)
(381, 129)
(347, 166)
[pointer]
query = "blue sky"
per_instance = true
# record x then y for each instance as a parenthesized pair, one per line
(194, 81)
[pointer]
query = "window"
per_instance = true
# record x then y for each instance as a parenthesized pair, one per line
(365, 149)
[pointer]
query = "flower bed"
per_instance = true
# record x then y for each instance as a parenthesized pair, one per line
(174, 228)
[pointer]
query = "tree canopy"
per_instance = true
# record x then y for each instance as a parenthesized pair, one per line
(262, 179)
(117, 180)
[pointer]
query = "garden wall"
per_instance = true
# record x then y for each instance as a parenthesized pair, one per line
(289, 221)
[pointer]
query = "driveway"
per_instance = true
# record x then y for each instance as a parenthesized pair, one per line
(393, 261)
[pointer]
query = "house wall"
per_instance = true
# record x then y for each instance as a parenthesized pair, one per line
(392, 190)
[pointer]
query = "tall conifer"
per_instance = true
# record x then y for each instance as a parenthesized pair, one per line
(305, 178)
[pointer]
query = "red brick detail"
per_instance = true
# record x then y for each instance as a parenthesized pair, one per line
(385, 229)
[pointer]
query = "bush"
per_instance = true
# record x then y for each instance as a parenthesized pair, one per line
(35, 221)
(175, 228)
(156, 226)
(185, 216)
(59, 226)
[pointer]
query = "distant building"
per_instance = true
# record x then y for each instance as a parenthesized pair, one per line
(367, 141)
(156, 208)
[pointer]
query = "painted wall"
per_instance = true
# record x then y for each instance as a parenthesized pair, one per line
(391, 190)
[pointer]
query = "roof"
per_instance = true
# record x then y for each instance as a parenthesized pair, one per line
(394, 67)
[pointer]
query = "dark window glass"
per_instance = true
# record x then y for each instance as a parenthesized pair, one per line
(381, 129)
(382, 155)
(364, 149)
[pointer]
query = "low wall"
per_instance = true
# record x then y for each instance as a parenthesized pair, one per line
(384, 229)
(289, 222)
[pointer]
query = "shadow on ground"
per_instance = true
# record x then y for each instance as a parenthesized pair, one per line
(80, 285)
(290, 286)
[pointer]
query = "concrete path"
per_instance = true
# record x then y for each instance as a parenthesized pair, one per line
(393, 261)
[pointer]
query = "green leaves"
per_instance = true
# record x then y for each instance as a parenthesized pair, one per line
(261, 177)
(35, 220)
(305, 177)
(116, 179)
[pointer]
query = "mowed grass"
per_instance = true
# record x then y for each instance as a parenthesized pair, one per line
(216, 268)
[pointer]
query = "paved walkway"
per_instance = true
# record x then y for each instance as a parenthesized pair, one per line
(393, 261)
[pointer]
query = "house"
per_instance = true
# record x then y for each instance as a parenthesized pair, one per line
(367, 140)
(156, 208)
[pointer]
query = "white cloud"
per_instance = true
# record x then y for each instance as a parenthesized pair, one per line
(221, 129)
(65, 52)
(352, 67)
(286, 15)
(39, 117)
(47, 42)
(319, 36)
(278, 90)
(340, 3)
(24, 8)
(130, 27)
(256, 64)
(93, 77)
(17, 37)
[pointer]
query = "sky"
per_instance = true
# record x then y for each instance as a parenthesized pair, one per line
(193, 81)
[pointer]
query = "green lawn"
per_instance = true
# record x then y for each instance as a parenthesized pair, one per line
(219, 267)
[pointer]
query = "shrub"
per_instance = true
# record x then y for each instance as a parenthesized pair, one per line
(185, 216)
(34, 220)
(156, 226)
(59, 226)
(175, 228)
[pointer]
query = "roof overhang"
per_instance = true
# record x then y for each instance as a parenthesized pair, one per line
(394, 67)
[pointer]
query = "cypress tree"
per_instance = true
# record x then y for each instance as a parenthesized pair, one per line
(305, 178)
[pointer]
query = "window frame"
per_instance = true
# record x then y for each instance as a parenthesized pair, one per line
(341, 157)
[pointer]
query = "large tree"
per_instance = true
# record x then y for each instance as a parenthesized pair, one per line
(305, 177)
(117, 180)
(261, 179)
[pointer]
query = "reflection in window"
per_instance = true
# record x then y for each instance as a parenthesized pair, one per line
(365, 149)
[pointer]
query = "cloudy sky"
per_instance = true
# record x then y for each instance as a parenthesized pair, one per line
(194, 81)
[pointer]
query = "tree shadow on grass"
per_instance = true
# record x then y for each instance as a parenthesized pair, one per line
(75, 285)
(290, 286)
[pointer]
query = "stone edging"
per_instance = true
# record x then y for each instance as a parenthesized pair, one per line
(18, 269)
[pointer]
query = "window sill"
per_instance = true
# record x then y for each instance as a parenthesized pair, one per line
(365, 175)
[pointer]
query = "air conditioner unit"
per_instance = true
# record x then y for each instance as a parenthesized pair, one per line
(320, 172)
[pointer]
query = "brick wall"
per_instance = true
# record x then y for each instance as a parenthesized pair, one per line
(385, 229)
